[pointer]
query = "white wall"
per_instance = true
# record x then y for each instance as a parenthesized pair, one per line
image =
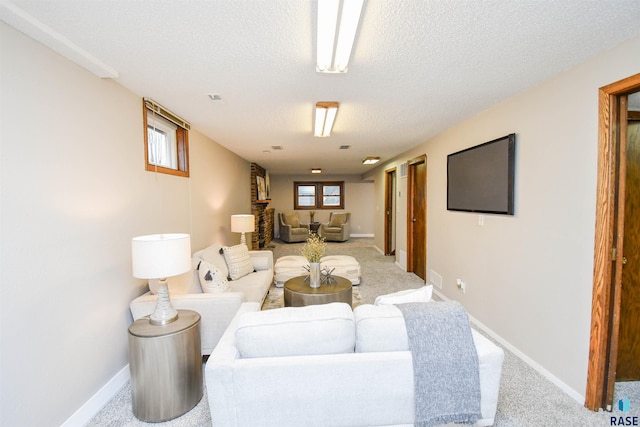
(74, 192)
(359, 198)
(528, 276)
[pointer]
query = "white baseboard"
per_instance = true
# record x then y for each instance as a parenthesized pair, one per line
(98, 401)
(362, 235)
(526, 359)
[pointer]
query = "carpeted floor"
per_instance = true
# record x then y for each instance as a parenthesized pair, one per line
(527, 399)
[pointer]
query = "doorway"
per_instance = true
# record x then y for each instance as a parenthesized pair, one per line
(628, 357)
(390, 212)
(417, 217)
(611, 264)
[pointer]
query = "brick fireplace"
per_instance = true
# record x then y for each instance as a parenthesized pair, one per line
(264, 215)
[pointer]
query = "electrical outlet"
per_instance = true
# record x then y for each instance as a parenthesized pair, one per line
(461, 285)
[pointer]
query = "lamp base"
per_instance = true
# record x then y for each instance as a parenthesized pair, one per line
(164, 312)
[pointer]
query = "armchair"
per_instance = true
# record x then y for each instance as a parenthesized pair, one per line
(291, 230)
(338, 228)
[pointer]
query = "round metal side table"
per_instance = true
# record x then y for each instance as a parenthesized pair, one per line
(166, 367)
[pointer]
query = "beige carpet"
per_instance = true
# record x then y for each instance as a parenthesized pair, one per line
(380, 274)
(526, 398)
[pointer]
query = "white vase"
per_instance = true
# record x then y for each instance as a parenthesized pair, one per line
(314, 274)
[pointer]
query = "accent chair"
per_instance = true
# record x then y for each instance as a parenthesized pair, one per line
(291, 230)
(338, 228)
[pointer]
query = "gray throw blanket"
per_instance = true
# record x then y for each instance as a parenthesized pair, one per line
(445, 363)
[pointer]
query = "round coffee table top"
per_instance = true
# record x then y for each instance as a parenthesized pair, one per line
(297, 292)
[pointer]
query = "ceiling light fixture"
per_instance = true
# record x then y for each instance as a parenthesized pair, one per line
(329, 11)
(325, 115)
(370, 160)
(316, 170)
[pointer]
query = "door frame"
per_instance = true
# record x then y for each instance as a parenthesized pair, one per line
(410, 200)
(389, 207)
(609, 234)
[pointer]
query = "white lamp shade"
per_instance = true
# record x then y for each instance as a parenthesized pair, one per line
(242, 223)
(159, 256)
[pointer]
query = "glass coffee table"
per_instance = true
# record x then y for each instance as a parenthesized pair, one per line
(298, 293)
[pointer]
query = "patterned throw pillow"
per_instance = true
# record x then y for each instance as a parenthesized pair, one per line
(238, 261)
(212, 280)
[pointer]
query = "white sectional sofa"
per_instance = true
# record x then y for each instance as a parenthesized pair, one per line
(217, 305)
(324, 366)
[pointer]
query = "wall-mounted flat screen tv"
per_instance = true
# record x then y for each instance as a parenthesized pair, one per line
(480, 178)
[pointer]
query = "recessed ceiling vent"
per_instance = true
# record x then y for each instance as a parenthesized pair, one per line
(345, 147)
(277, 147)
(215, 97)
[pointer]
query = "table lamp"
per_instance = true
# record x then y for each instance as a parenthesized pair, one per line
(159, 256)
(243, 224)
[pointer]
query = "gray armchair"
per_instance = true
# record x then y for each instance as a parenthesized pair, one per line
(338, 228)
(291, 230)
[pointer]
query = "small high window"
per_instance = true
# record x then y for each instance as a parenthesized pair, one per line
(318, 195)
(166, 140)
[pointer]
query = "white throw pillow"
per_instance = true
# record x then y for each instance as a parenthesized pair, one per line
(212, 280)
(238, 260)
(380, 328)
(297, 331)
(410, 295)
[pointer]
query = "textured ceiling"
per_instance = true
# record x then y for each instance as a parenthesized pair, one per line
(418, 66)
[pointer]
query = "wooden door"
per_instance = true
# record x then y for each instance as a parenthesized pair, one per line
(628, 364)
(417, 218)
(390, 212)
(609, 242)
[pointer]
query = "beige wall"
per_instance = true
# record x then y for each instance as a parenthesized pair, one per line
(74, 192)
(528, 276)
(359, 198)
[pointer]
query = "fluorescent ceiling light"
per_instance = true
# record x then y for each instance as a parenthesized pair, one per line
(330, 36)
(370, 160)
(325, 115)
(316, 170)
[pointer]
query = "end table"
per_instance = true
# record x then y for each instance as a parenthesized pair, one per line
(166, 367)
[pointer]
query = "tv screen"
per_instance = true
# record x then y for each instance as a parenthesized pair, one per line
(480, 178)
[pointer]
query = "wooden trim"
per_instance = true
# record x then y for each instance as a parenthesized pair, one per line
(182, 143)
(634, 115)
(319, 195)
(410, 190)
(601, 366)
(389, 177)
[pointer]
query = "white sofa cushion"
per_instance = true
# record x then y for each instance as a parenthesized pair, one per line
(297, 331)
(212, 280)
(422, 294)
(238, 260)
(380, 328)
(252, 285)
